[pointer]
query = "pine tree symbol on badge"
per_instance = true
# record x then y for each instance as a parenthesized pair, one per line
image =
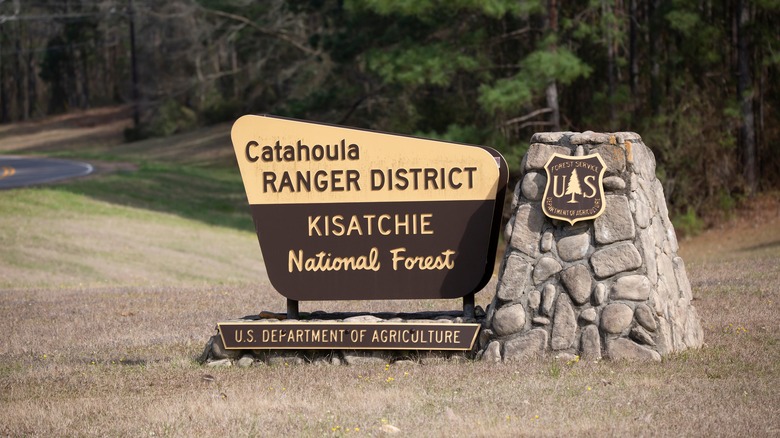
(573, 188)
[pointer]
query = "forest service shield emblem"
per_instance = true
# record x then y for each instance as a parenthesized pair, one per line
(575, 189)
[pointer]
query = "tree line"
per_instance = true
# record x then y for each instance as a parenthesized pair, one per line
(698, 79)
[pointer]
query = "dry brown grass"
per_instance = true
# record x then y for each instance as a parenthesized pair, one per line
(120, 361)
(105, 308)
(100, 131)
(89, 128)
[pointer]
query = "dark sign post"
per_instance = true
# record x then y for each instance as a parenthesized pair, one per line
(348, 214)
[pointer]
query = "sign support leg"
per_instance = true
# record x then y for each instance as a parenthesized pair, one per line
(468, 306)
(292, 309)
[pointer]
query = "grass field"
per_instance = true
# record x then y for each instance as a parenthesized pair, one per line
(110, 286)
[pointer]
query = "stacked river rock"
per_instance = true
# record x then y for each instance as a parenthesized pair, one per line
(613, 286)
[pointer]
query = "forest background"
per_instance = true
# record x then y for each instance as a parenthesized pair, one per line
(698, 79)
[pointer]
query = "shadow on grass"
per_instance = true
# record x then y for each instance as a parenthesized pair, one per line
(209, 195)
(760, 246)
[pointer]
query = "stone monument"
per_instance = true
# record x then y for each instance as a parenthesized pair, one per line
(609, 287)
(351, 214)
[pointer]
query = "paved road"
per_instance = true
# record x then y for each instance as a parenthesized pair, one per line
(22, 171)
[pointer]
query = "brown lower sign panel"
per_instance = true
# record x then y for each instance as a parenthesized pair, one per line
(399, 250)
(347, 336)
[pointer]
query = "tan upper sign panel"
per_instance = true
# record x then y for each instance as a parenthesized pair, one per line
(292, 162)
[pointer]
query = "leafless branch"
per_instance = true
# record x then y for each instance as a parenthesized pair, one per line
(275, 34)
(513, 34)
(534, 123)
(530, 115)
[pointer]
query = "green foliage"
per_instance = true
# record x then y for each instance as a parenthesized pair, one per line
(171, 118)
(555, 369)
(434, 64)
(222, 111)
(509, 94)
(135, 133)
(727, 203)
(475, 71)
(421, 8)
(473, 135)
(773, 59)
(688, 224)
(538, 69)
(55, 62)
(683, 21)
(768, 5)
(404, 7)
(696, 159)
(459, 134)
(560, 65)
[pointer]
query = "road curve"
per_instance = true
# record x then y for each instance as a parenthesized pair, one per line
(27, 171)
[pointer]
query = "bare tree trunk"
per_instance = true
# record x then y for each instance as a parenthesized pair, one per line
(655, 53)
(606, 11)
(3, 99)
(552, 88)
(84, 78)
(115, 76)
(552, 104)
(32, 82)
(134, 68)
(632, 47)
(3, 94)
(71, 83)
(747, 132)
(760, 123)
(234, 67)
(21, 111)
(633, 59)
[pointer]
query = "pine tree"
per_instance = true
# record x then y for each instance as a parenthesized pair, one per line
(573, 188)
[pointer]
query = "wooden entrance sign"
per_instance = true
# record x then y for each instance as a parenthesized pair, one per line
(349, 214)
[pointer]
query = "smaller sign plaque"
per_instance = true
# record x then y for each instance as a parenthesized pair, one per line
(575, 189)
(259, 335)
